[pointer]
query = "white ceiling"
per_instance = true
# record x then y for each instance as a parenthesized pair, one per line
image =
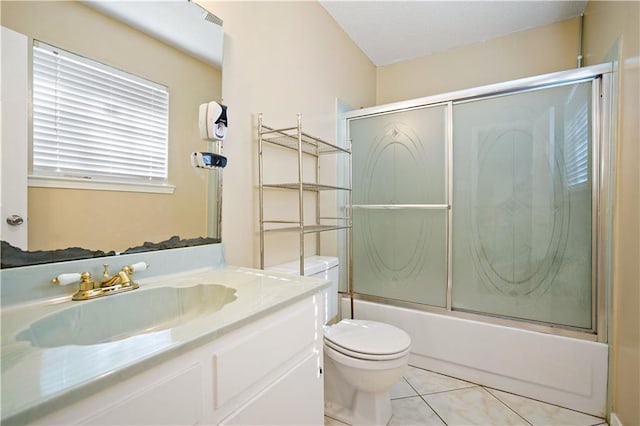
(395, 30)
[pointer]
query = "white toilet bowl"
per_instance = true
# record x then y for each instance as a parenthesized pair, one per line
(362, 361)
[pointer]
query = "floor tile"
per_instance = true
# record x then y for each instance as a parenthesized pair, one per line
(402, 390)
(454, 402)
(541, 414)
(425, 382)
(328, 421)
(413, 411)
(472, 406)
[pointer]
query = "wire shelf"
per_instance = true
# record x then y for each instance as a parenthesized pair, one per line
(288, 138)
(306, 186)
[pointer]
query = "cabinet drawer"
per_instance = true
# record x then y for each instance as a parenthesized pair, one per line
(253, 356)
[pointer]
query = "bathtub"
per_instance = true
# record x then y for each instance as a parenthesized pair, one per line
(560, 370)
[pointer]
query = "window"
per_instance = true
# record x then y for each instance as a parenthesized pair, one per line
(96, 123)
(576, 149)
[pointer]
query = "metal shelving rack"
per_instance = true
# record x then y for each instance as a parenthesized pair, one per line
(294, 138)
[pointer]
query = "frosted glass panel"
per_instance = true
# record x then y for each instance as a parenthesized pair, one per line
(401, 254)
(522, 206)
(399, 158)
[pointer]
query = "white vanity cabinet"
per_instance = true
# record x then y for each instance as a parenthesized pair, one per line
(267, 371)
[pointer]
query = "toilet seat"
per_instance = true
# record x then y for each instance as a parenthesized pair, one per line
(365, 364)
(367, 340)
(365, 356)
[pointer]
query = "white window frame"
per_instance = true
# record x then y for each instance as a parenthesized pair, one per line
(96, 127)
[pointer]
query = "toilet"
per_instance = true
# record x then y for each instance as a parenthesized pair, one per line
(362, 359)
(323, 267)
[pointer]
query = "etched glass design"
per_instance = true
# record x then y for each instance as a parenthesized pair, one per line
(401, 255)
(398, 172)
(522, 196)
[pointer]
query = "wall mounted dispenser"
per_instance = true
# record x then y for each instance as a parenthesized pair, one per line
(212, 120)
(207, 160)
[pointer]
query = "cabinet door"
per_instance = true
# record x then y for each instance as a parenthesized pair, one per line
(266, 349)
(170, 394)
(176, 399)
(14, 97)
(295, 399)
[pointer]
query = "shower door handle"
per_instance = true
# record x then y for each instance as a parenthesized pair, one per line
(402, 206)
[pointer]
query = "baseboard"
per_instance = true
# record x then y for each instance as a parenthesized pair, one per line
(614, 420)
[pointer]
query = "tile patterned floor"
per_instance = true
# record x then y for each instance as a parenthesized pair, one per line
(426, 398)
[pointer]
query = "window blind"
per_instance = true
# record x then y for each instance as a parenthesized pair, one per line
(93, 121)
(576, 128)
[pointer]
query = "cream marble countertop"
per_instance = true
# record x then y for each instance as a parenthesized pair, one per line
(36, 381)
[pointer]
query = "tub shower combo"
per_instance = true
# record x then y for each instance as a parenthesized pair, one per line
(482, 226)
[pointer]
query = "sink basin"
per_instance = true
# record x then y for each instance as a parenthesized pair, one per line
(124, 315)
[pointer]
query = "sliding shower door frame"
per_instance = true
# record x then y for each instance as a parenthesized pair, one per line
(601, 191)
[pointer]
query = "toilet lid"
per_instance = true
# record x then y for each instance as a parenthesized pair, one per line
(367, 337)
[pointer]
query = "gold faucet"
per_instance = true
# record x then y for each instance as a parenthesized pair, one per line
(121, 278)
(89, 289)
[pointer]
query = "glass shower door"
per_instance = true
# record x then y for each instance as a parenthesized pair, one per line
(522, 197)
(399, 201)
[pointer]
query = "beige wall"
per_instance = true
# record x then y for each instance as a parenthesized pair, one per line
(110, 220)
(605, 23)
(522, 54)
(280, 58)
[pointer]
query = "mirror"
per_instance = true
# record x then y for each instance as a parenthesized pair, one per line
(189, 65)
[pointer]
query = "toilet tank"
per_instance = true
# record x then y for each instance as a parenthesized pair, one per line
(323, 267)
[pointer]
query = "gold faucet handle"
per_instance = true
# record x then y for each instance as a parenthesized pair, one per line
(105, 271)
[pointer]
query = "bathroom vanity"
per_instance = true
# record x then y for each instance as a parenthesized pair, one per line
(193, 345)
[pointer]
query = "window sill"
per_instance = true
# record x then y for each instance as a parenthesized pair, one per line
(98, 185)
